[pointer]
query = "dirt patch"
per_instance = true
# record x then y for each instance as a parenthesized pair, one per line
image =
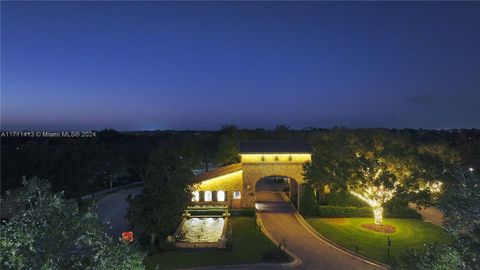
(384, 228)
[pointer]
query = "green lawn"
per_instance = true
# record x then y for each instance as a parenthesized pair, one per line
(248, 246)
(410, 233)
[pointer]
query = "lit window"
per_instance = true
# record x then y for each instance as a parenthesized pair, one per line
(208, 196)
(221, 196)
(195, 196)
(237, 195)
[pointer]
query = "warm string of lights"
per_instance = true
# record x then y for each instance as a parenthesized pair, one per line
(376, 197)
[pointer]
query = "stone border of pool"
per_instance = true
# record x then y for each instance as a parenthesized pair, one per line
(220, 244)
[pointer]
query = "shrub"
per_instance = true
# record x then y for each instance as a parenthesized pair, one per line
(308, 203)
(351, 211)
(245, 212)
(275, 255)
(207, 212)
(402, 213)
(343, 198)
(341, 211)
(166, 246)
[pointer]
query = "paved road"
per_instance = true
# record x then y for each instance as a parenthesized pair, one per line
(431, 214)
(279, 220)
(112, 210)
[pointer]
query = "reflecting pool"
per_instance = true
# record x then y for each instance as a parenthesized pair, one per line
(201, 229)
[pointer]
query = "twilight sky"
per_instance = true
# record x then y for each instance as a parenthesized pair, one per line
(199, 65)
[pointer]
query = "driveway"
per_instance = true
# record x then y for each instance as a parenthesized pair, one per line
(278, 218)
(112, 210)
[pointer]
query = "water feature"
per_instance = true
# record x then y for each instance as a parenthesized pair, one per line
(201, 229)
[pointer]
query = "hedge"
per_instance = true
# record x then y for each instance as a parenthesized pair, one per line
(243, 212)
(402, 213)
(206, 212)
(342, 198)
(351, 211)
(341, 211)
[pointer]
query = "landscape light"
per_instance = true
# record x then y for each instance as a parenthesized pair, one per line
(471, 169)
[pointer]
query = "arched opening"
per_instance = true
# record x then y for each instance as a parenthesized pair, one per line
(276, 188)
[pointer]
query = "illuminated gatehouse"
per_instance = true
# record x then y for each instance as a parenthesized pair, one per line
(234, 185)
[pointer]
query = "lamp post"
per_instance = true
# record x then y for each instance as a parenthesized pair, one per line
(389, 244)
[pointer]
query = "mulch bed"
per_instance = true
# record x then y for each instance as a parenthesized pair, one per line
(384, 228)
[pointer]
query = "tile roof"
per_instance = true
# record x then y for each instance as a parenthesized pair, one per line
(217, 172)
(279, 146)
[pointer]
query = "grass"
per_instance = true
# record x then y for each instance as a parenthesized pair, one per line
(248, 247)
(410, 233)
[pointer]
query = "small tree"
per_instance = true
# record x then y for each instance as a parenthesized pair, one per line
(375, 185)
(383, 166)
(373, 166)
(48, 232)
(228, 146)
(308, 203)
(459, 203)
(166, 194)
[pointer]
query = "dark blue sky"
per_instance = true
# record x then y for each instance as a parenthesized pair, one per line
(199, 65)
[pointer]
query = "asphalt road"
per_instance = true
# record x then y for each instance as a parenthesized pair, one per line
(112, 210)
(278, 218)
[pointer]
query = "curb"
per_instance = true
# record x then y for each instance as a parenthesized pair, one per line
(332, 244)
(296, 260)
(338, 247)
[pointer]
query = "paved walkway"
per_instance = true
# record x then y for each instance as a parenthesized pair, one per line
(278, 218)
(431, 214)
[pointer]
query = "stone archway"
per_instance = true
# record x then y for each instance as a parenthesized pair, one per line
(259, 159)
(254, 172)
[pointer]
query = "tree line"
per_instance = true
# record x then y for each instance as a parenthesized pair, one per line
(79, 166)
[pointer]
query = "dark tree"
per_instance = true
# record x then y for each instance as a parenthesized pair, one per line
(166, 194)
(47, 232)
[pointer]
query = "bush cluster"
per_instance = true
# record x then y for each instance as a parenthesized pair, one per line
(246, 212)
(276, 256)
(342, 211)
(342, 198)
(352, 211)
